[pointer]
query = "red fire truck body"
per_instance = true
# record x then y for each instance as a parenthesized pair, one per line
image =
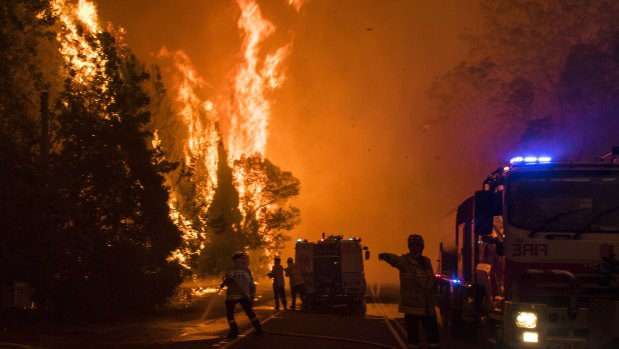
(529, 261)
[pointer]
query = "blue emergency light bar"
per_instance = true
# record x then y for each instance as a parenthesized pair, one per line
(530, 160)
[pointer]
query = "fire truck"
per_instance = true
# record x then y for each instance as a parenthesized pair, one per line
(529, 260)
(332, 269)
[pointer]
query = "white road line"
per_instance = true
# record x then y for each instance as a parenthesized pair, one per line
(395, 333)
(225, 344)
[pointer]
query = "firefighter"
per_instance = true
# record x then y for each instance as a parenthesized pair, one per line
(277, 274)
(297, 286)
(417, 292)
(241, 289)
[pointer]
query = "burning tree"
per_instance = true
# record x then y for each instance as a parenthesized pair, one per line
(265, 192)
(85, 219)
(97, 216)
(209, 201)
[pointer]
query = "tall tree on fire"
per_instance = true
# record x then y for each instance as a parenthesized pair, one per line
(265, 200)
(267, 213)
(539, 75)
(89, 226)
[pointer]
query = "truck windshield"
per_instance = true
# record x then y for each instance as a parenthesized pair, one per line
(564, 201)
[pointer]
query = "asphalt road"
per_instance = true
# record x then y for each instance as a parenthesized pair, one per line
(205, 326)
(381, 327)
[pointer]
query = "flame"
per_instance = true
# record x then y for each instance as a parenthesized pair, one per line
(77, 20)
(297, 4)
(199, 119)
(254, 78)
(251, 108)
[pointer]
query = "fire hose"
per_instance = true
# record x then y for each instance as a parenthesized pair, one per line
(350, 340)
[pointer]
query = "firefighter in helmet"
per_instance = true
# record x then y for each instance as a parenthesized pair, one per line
(241, 289)
(417, 292)
(277, 274)
(297, 286)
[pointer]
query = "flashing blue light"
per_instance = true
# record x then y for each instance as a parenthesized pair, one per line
(530, 160)
(455, 281)
(516, 160)
(544, 159)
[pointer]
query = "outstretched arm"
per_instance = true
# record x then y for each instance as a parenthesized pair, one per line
(392, 259)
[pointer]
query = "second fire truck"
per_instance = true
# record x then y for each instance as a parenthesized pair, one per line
(332, 269)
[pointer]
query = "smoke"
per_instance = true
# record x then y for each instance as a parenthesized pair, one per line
(348, 119)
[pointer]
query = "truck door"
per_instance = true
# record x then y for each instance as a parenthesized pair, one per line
(304, 257)
(352, 267)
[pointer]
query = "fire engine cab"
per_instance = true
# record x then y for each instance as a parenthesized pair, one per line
(529, 261)
(332, 269)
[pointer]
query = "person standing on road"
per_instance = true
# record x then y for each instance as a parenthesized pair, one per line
(277, 274)
(417, 292)
(241, 289)
(297, 286)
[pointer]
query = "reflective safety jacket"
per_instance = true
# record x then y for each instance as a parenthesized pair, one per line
(240, 282)
(417, 284)
(294, 273)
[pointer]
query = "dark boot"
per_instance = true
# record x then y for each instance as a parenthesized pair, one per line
(257, 327)
(234, 331)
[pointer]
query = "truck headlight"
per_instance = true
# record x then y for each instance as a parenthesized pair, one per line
(526, 319)
(530, 337)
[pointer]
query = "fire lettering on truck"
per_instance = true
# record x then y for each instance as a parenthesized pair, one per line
(532, 250)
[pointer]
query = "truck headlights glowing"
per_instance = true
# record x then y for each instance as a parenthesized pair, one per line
(529, 337)
(526, 320)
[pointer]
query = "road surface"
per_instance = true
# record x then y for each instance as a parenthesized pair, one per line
(205, 327)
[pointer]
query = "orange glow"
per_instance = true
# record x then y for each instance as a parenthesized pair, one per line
(251, 109)
(198, 116)
(77, 52)
(257, 74)
(254, 78)
(199, 147)
(297, 4)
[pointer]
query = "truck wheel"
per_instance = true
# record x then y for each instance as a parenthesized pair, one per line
(455, 324)
(308, 304)
(357, 307)
(486, 333)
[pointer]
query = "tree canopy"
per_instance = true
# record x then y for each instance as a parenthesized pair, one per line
(85, 204)
(540, 75)
(83, 214)
(266, 211)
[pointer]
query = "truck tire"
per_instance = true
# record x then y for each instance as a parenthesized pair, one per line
(456, 325)
(357, 307)
(486, 331)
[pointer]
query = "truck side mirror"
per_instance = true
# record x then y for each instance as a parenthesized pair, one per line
(483, 212)
(367, 254)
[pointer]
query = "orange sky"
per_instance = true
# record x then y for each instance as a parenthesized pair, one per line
(348, 121)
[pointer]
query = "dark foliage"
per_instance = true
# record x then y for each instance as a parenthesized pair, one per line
(88, 226)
